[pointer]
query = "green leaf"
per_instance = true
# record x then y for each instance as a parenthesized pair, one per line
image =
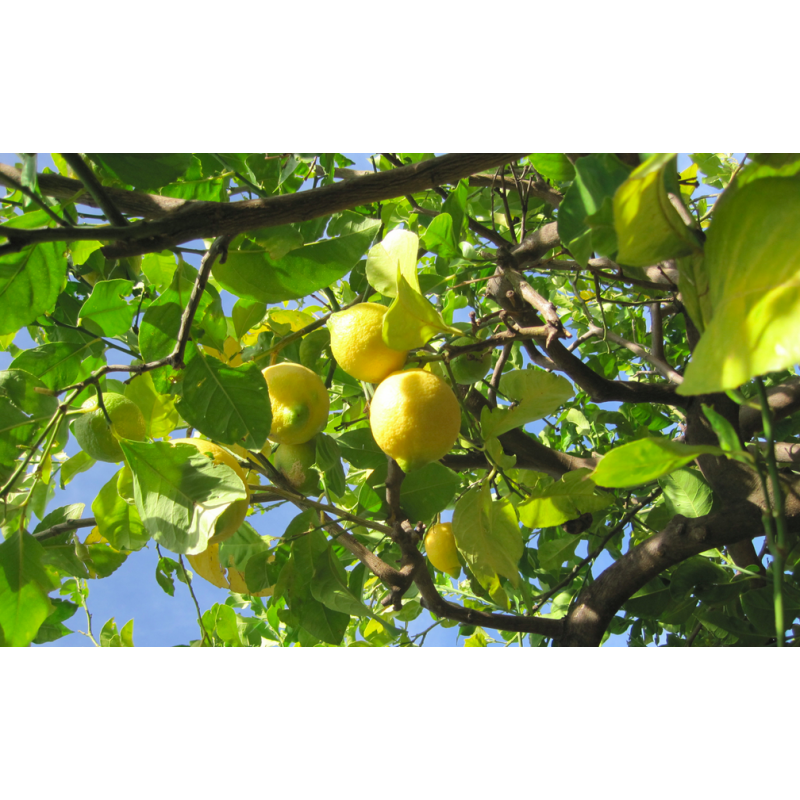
(753, 266)
(144, 170)
(245, 544)
(117, 520)
(488, 536)
(30, 282)
(686, 493)
(253, 275)
(536, 394)
(359, 448)
(494, 449)
(598, 177)
(555, 167)
(20, 387)
(566, 499)
(228, 404)
(554, 553)
(440, 237)
(60, 552)
(427, 491)
(159, 412)
(649, 228)
(398, 250)
(227, 627)
(56, 364)
(411, 319)
(180, 493)
(693, 285)
(693, 575)
(726, 433)
(247, 314)
(159, 268)
(106, 312)
(650, 600)
(24, 585)
(52, 628)
(73, 466)
(646, 460)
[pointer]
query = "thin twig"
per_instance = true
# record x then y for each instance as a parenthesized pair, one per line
(188, 581)
(95, 188)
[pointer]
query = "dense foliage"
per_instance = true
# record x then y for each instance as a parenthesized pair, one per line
(637, 404)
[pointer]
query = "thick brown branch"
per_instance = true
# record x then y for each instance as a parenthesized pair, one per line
(207, 220)
(783, 400)
(586, 623)
(95, 188)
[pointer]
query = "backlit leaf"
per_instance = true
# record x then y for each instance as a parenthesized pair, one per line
(117, 520)
(563, 500)
(398, 250)
(106, 312)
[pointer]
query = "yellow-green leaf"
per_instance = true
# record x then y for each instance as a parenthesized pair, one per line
(488, 536)
(411, 320)
(534, 392)
(398, 249)
(753, 266)
(645, 460)
(562, 501)
(648, 227)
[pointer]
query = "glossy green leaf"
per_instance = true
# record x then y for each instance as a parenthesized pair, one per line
(650, 600)
(30, 282)
(253, 275)
(118, 520)
(554, 553)
(144, 170)
(427, 491)
(56, 364)
(159, 412)
(536, 394)
(53, 628)
(228, 404)
(563, 500)
(24, 585)
(769, 165)
(687, 493)
(24, 390)
(597, 177)
(555, 167)
(753, 266)
(359, 448)
(179, 493)
(646, 460)
(73, 466)
(106, 312)
(440, 237)
(693, 285)
(487, 535)
(695, 573)
(247, 314)
(237, 550)
(398, 250)
(649, 228)
(159, 268)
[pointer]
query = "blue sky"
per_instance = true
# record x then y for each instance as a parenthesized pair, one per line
(132, 592)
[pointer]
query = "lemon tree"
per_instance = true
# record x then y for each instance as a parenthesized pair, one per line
(539, 399)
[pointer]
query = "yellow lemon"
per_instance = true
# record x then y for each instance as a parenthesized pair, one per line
(440, 545)
(295, 463)
(99, 439)
(299, 403)
(357, 344)
(208, 566)
(415, 418)
(233, 516)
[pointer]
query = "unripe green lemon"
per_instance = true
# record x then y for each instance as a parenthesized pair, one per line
(232, 517)
(299, 403)
(97, 438)
(470, 367)
(415, 418)
(357, 344)
(440, 545)
(294, 462)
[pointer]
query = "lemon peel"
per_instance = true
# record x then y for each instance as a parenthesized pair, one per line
(299, 403)
(440, 545)
(415, 418)
(357, 343)
(97, 438)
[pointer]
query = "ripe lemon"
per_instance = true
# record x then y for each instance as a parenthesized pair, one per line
(208, 566)
(415, 418)
(470, 367)
(295, 463)
(232, 517)
(440, 545)
(357, 345)
(99, 439)
(299, 403)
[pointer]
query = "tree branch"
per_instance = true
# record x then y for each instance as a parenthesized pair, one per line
(63, 527)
